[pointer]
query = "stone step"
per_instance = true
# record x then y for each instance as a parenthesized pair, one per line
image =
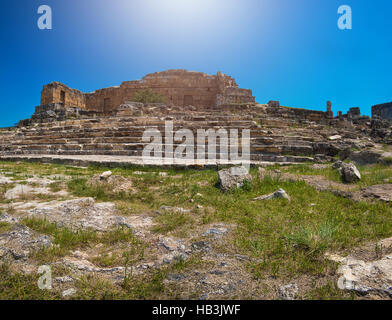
(97, 153)
(254, 148)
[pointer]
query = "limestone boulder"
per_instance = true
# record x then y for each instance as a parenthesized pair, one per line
(234, 177)
(349, 172)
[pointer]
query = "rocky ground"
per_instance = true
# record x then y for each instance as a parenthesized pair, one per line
(288, 232)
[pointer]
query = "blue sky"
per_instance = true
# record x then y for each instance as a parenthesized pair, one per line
(287, 50)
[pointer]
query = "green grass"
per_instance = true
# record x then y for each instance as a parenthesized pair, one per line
(371, 175)
(65, 239)
(286, 237)
(4, 227)
(19, 286)
(171, 221)
(283, 239)
(387, 161)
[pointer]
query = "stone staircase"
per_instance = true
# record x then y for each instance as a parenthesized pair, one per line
(273, 138)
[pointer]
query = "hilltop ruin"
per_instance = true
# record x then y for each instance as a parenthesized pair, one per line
(107, 126)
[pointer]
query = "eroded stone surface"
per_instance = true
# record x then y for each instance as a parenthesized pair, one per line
(20, 242)
(85, 213)
(115, 182)
(381, 192)
(234, 177)
(288, 292)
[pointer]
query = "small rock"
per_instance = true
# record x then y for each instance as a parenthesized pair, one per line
(334, 138)
(199, 206)
(240, 257)
(278, 194)
(105, 175)
(175, 277)
(288, 292)
(349, 172)
(64, 279)
(7, 218)
(174, 209)
(201, 245)
(234, 177)
(217, 272)
(215, 231)
(68, 293)
(337, 164)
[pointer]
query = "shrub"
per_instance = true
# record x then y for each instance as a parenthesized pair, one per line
(148, 96)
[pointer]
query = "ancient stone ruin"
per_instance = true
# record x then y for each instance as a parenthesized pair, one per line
(107, 125)
(383, 111)
(179, 87)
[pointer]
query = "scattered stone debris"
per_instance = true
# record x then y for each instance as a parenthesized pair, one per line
(65, 279)
(382, 192)
(233, 177)
(117, 183)
(201, 245)
(337, 165)
(172, 250)
(365, 277)
(278, 194)
(68, 293)
(85, 213)
(9, 219)
(23, 191)
(322, 158)
(288, 292)
(20, 242)
(174, 209)
(365, 157)
(5, 180)
(216, 232)
(81, 265)
(335, 137)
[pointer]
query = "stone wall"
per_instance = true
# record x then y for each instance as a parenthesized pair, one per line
(178, 87)
(383, 111)
(57, 92)
(232, 95)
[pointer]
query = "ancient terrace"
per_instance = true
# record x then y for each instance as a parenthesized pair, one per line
(178, 87)
(107, 126)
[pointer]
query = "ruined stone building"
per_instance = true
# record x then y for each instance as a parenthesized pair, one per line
(383, 111)
(178, 87)
(76, 127)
